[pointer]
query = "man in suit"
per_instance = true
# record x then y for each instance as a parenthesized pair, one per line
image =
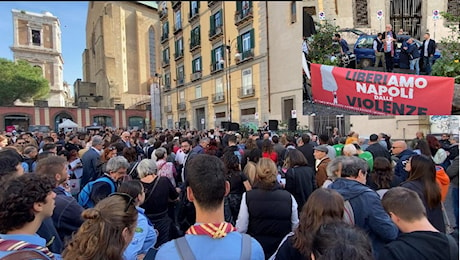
(91, 161)
(428, 49)
(125, 139)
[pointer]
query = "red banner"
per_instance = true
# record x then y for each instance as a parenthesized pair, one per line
(381, 93)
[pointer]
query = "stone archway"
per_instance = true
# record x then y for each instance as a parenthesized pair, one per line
(59, 118)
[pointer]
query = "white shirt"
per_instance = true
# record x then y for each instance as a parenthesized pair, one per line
(389, 42)
(425, 47)
(242, 222)
(305, 47)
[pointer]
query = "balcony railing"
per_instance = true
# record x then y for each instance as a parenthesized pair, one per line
(175, 4)
(216, 67)
(168, 109)
(181, 106)
(196, 76)
(246, 55)
(177, 28)
(218, 98)
(243, 16)
(180, 82)
(179, 54)
(215, 32)
(163, 13)
(211, 3)
(245, 92)
(195, 45)
(167, 87)
(164, 38)
(193, 14)
(165, 63)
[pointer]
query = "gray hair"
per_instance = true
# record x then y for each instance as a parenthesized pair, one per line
(116, 163)
(97, 139)
(334, 168)
(160, 152)
(146, 167)
(351, 165)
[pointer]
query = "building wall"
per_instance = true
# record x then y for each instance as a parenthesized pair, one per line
(117, 54)
(47, 54)
(231, 75)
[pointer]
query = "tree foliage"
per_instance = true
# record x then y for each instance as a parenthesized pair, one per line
(449, 64)
(321, 46)
(20, 80)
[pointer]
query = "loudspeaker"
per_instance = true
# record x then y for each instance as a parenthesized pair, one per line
(225, 125)
(292, 126)
(234, 127)
(273, 125)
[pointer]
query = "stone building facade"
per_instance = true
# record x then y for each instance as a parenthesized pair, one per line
(37, 39)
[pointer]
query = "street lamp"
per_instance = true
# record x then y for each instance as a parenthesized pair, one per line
(229, 75)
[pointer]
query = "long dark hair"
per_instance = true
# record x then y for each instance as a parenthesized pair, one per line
(424, 169)
(323, 206)
(382, 174)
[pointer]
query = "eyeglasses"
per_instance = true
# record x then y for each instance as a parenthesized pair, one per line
(129, 200)
(111, 148)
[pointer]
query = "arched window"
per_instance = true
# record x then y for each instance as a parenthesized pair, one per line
(103, 120)
(136, 122)
(152, 53)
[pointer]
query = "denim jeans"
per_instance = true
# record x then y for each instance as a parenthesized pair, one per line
(427, 63)
(415, 63)
(455, 203)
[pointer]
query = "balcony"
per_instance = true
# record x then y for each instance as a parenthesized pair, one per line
(178, 55)
(181, 106)
(195, 45)
(246, 55)
(215, 32)
(167, 87)
(177, 28)
(218, 98)
(175, 4)
(193, 15)
(164, 38)
(246, 92)
(168, 109)
(165, 63)
(196, 76)
(164, 14)
(243, 16)
(180, 82)
(216, 67)
(211, 3)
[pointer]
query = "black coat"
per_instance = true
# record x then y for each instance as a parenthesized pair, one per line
(431, 48)
(300, 182)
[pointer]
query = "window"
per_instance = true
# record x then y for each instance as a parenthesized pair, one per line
(243, 7)
(179, 47)
(293, 12)
(218, 19)
(152, 51)
(178, 21)
(219, 86)
(36, 38)
(168, 100)
(166, 55)
(361, 13)
(246, 44)
(182, 96)
(453, 7)
(180, 73)
(196, 65)
(198, 92)
(246, 76)
(167, 79)
(165, 31)
(220, 115)
(136, 121)
(103, 120)
(248, 111)
(194, 5)
(217, 55)
(195, 38)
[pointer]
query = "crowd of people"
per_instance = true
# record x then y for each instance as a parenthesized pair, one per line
(214, 194)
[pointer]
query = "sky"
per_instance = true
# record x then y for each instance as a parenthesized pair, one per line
(72, 17)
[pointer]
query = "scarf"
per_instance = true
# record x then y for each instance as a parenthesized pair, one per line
(14, 245)
(214, 230)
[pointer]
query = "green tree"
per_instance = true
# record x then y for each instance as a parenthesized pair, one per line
(20, 80)
(449, 64)
(321, 46)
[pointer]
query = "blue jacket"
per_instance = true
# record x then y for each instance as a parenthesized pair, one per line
(144, 238)
(90, 160)
(403, 158)
(205, 247)
(413, 50)
(368, 211)
(67, 214)
(31, 239)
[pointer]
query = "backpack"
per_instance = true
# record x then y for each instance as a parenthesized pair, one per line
(348, 214)
(84, 195)
(24, 250)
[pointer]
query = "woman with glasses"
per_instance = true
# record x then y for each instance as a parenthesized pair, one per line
(422, 179)
(108, 229)
(145, 236)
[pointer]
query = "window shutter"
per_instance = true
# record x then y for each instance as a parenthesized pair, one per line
(198, 35)
(213, 57)
(201, 64)
(250, 4)
(252, 38)
(198, 4)
(193, 66)
(167, 28)
(221, 18)
(240, 43)
(238, 6)
(175, 48)
(211, 22)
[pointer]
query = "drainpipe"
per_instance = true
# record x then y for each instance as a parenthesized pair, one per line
(268, 58)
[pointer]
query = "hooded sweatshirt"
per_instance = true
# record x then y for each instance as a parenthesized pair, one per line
(368, 211)
(443, 181)
(421, 245)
